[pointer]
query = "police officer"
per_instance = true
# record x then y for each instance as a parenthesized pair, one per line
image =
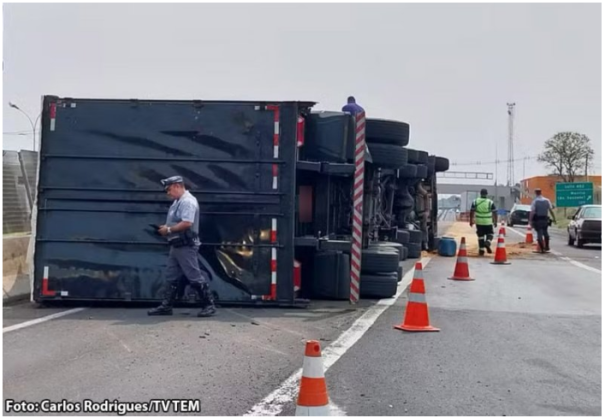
(181, 231)
(538, 219)
(485, 216)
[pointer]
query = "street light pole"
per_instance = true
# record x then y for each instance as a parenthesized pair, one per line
(33, 124)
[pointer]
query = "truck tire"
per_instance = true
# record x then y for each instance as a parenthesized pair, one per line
(407, 171)
(375, 260)
(414, 250)
(400, 273)
(412, 156)
(431, 166)
(417, 156)
(421, 171)
(395, 245)
(415, 237)
(388, 156)
(380, 131)
(403, 237)
(441, 164)
(378, 285)
(405, 253)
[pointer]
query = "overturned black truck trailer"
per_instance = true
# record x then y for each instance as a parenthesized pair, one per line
(274, 181)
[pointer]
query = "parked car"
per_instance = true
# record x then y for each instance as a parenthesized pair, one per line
(518, 215)
(585, 226)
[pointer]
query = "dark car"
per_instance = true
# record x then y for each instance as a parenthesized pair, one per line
(519, 215)
(585, 226)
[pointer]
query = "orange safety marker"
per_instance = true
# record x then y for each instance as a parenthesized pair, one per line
(416, 317)
(461, 271)
(500, 256)
(503, 228)
(313, 395)
(529, 236)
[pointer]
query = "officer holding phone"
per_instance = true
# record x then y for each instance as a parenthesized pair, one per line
(182, 232)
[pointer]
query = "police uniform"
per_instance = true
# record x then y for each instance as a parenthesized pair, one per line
(540, 207)
(183, 256)
(484, 209)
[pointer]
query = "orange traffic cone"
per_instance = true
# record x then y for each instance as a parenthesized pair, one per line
(500, 256)
(313, 395)
(503, 228)
(529, 236)
(461, 270)
(416, 317)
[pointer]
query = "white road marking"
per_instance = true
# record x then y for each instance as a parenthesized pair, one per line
(564, 258)
(40, 320)
(285, 394)
(515, 231)
(336, 411)
(577, 263)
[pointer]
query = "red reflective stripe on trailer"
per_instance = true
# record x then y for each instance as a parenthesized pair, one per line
(273, 291)
(45, 290)
(53, 116)
(275, 170)
(300, 131)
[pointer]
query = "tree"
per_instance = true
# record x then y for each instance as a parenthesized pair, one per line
(568, 154)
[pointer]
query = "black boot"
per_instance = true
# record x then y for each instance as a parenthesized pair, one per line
(547, 244)
(169, 296)
(488, 246)
(207, 301)
(541, 245)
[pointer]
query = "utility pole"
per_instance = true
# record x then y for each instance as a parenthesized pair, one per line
(511, 152)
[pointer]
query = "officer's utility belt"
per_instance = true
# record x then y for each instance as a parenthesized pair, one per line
(183, 239)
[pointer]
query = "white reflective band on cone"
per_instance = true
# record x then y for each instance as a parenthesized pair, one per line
(313, 411)
(313, 367)
(417, 297)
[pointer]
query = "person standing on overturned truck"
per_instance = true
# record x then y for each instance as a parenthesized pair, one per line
(485, 216)
(538, 219)
(352, 107)
(182, 233)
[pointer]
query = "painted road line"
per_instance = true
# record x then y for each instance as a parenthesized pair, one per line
(40, 320)
(564, 258)
(577, 263)
(285, 394)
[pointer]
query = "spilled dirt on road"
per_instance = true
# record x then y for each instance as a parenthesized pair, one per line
(515, 245)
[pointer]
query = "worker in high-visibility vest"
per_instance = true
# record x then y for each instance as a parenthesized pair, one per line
(485, 216)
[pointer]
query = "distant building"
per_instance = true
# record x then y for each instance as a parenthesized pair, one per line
(547, 184)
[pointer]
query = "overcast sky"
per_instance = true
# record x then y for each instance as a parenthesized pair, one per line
(446, 69)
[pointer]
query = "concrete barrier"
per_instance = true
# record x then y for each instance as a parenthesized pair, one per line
(15, 272)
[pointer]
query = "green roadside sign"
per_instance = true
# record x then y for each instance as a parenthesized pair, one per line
(569, 195)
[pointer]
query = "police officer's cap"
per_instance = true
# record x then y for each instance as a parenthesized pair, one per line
(171, 180)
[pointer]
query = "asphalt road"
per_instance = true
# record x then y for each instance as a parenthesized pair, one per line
(590, 255)
(523, 339)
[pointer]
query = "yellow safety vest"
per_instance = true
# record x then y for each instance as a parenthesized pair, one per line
(483, 211)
